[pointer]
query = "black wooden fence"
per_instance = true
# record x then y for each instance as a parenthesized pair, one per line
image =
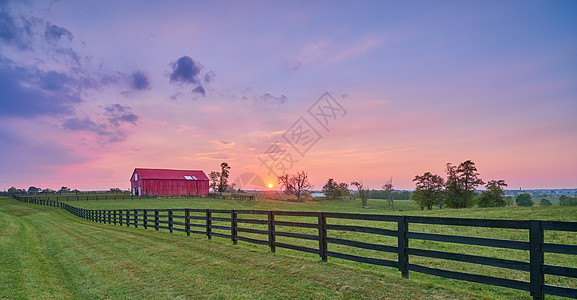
(268, 227)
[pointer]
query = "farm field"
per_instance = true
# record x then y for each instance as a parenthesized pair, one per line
(49, 253)
(460, 288)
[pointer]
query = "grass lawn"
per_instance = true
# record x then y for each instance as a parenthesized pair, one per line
(360, 280)
(48, 253)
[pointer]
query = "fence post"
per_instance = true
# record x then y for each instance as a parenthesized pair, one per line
(156, 219)
(322, 222)
(537, 278)
(233, 224)
(170, 220)
(271, 236)
(144, 218)
(403, 244)
(187, 221)
(208, 224)
(136, 218)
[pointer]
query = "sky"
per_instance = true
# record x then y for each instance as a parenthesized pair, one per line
(350, 90)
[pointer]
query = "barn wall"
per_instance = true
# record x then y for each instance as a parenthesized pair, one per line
(173, 187)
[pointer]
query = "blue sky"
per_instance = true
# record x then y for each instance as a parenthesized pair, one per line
(93, 89)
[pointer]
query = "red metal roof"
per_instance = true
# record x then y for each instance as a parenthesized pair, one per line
(170, 174)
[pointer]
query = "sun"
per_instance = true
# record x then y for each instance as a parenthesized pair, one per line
(270, 185)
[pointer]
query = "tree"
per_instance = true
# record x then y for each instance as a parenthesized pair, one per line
(567, 201)
(545, 202)
(524, 199)
(331, 189)
(295, 184)
(494, 195)
(363, 193)
(64, 189)
(429, 190)
(344, 190)
(460, 185)
(33, 189)
(388, 187)
(115, 190)
(335, 190)
(214, 178)
(223, 183)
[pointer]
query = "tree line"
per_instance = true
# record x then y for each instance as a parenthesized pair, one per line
(458, 190)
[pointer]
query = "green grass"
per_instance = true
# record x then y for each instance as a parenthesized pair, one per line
(461, 288)
(48, 253)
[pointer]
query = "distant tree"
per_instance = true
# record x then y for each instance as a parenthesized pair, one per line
(115, 190)
(231, 187)
(13, 190)
(564, 200)
(509, 200)
(344, 190)
(363, 193)
(295, 185)
(331, 189)
(460, 185)
(335, 190)
(524, 199)
(494, 195)
(388, 188)
(33, 189)
(429, 190)
(48, 190)
(223, 183)
(64, 189)
(545, 202)
(214, 179)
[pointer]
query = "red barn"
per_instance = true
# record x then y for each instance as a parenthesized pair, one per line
(168, 182)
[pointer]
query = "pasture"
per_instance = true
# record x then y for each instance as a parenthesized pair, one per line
(463, 289)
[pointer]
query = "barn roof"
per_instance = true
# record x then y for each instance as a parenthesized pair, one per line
(170, 174)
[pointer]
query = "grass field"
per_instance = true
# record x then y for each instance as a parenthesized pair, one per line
(48, 253)
(86, 252)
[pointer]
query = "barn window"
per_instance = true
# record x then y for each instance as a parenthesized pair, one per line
(135, 176)
(188, 177)
(194, 177)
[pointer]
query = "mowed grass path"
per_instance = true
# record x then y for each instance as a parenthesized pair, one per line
(48, 253)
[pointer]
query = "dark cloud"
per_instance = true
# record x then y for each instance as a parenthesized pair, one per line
(14, 31)
(140, 81)
(185, 71)
(268, 98)
(55, 33)
(199, 90)
(30, 93)
(118, 114)
(208, 77)
(78, 124)
(110, 127)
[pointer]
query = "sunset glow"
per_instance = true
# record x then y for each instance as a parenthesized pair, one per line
(91, 90)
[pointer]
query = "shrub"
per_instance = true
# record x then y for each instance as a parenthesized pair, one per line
(524, 200)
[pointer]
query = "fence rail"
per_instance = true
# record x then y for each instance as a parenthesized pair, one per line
(268, 227)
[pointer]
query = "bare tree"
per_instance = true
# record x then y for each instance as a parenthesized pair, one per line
(363, 192)
(295, 184)
(388, 187)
